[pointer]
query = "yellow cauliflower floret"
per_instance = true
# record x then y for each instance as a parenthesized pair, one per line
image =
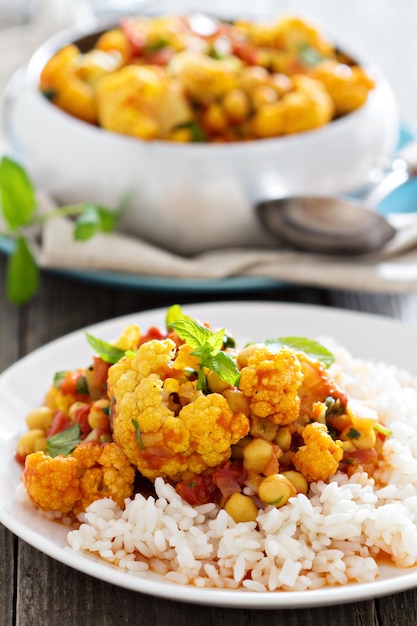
(162, 437)
(319, 458)
(271, 383)
(203, 77)
(142, 101)
(70, 483)
(152, 356)
(306, 107)
(348, 87)
(184, 358)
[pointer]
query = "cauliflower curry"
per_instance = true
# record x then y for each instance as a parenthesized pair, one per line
(197, 79)
(245, 428)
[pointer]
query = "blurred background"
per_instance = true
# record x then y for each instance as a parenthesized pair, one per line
(384, 31)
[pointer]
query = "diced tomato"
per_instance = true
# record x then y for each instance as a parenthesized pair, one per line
(134, 36)
(59, 423)
(198, 490)
(161, 57)
(100, 372)
(153, 333)
(81, 417)
(245, 51)
(71, 384)
(19, 458)
(230, 477)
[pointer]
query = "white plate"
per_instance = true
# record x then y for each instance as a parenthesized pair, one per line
(22, 387)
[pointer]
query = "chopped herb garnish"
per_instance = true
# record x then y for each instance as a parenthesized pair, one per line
(197, 133)
(334, 406)
(155, 46)
(81, 386)
(50, 94)
(138, 434)
(380, 428)
(58, 378)
(353, 433)
(309, 56)
(275, 502)
(64, 442)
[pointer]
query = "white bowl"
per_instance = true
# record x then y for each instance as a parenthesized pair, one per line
(189, 198)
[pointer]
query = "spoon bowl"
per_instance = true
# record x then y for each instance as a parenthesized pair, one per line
(335, 225)
(325, 225)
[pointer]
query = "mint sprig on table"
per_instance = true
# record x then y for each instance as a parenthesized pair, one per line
(18, 207)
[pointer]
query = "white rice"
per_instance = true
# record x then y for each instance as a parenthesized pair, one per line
(332, 537)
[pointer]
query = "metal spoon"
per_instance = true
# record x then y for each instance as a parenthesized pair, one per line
(329, 225)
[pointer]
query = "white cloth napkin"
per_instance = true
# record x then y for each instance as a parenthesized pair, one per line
(392, 270)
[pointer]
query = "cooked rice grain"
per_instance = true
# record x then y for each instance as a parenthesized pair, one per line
(332, 537)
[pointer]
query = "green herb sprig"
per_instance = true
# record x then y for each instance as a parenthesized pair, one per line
(310, 347)
(208, 348)
(18, 207)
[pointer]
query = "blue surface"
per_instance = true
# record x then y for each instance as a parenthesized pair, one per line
(402, 200)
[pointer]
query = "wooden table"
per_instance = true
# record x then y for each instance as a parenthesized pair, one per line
(36, 590)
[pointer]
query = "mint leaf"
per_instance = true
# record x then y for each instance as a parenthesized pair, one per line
(64, 442)
(191, 332)
(309, 56)
(58, 378)
(225, 367)
(22, 275)
(208, 348)
(105, 350)
(311, 348)
(173, 314)
(94, 219)
(17, 195)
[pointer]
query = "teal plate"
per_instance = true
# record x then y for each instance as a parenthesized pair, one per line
(402, 200)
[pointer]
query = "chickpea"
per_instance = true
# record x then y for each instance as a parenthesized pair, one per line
(41, 417)
(283, 438)
(236, 105)
(245, 354)
(257, 454)
(339, 422)
(98, 417)
(237, 402)
(27, 442)
(214, 118)
(263, 94)
(241, 508)
(181, 135)
(276, 490)
(298, 480)
(281, 83)
(363, 439)
(74, 408)
(252, 76)
(268, 121)
(263, 427)
(215, 383)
